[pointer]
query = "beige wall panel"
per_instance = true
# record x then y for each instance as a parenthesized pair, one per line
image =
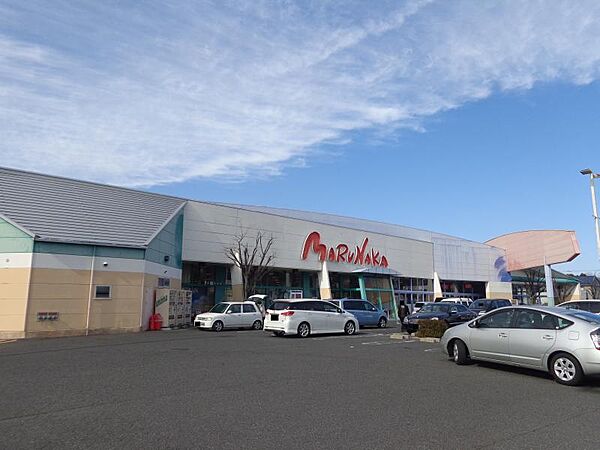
(65, 322)
(116, 306)
(13, 306)
(58, 291)
(62, 305)
(13, 299)
(112, 321)
(14, 276)
(13, 291)
(60, 276)
(118, 278)
(11, 322)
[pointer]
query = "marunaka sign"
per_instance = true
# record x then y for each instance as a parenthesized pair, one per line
(341, 253)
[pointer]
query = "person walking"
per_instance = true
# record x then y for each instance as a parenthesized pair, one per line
(402, 313)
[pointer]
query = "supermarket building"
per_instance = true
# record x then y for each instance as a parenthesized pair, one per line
(79, 257)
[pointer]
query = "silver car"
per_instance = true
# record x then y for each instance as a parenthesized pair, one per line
(564, 342)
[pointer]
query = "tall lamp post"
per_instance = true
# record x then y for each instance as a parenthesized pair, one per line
(592, 176)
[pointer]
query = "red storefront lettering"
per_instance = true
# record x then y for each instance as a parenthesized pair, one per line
(341, 253)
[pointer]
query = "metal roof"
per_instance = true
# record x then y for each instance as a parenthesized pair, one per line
(65, 210)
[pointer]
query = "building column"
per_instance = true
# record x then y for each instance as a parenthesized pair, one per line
(549, 284)
(437, 287)
(237, 285)
(576, 294)
(306, 290)
(394, 314)
(499, 289)
(361, 285)
(324, 286)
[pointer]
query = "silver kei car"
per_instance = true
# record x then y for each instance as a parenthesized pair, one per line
(564, 342)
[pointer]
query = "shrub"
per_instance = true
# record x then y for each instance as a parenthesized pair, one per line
(431, 328)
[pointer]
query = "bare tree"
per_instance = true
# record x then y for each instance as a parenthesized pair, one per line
(595, 287)
(534, 284)
(562, 292)
(253, 256)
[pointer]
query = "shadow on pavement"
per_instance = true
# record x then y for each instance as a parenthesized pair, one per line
(589, 382)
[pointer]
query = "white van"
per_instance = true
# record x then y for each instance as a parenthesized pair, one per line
(308, 316)
(458, 300)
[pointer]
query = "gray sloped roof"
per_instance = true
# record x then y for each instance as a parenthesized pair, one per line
(66, 210)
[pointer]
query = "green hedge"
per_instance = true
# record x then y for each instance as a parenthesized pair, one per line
(431, 328)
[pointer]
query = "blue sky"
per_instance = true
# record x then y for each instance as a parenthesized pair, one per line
(470, 118)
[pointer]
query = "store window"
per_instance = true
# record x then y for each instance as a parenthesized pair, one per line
(409, 291)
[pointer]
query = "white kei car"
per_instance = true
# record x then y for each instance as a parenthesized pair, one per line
(230, 315)
(308, 316)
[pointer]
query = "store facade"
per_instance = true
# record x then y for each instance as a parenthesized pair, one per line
(79, 257)
(327, 256)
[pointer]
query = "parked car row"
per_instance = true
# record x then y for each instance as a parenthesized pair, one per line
(452, 311)
(592, 306)
(301, 317)
(562, 341)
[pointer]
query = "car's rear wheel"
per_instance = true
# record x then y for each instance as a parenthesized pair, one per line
(217, 326)
(382, 322)
(460, 354)
(350, 328)
(278, 333)
(257, 325)
(565, 369)
(304, 330)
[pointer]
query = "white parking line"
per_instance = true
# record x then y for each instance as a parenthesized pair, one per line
(343, 336)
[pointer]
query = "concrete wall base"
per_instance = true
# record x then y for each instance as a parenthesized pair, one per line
(12, 335)
(66, 333)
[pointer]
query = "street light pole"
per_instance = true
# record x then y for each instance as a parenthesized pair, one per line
(594, 205)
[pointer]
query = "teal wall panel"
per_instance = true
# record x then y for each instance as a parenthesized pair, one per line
(87, 250)
(169, 242)
(13, 240)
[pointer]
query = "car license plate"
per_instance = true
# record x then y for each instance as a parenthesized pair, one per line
(274, 316)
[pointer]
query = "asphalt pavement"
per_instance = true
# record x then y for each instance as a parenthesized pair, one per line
(248, 389)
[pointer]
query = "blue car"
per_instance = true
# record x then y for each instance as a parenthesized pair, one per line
(365, 312)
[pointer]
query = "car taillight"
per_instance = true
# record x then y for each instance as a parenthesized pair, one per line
(595, 335)
(287, 313)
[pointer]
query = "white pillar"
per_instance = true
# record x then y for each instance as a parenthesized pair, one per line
(437, 286)
(595, 213)
(324, 286)
(237, 283)
(549, 284)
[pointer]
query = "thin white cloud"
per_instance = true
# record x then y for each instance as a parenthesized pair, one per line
(160, 92)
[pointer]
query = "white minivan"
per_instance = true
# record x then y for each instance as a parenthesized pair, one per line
(230, 315)
(308, 316)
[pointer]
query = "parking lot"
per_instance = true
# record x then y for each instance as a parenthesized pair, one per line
(247, 389)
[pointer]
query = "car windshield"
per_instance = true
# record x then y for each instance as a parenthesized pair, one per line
(279, 306)
(435, 307)
(219, 308)
(583, 315)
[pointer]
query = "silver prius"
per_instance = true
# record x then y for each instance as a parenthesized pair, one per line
(564, 342)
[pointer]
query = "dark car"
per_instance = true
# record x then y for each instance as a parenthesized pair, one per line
(452, 314)
(485, 305)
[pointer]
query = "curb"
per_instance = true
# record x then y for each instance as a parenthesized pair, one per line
(408, 337)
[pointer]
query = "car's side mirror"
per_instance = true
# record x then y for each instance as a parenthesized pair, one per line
(474, 324)
(340, 311)
(229, 312)
(453, 313)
